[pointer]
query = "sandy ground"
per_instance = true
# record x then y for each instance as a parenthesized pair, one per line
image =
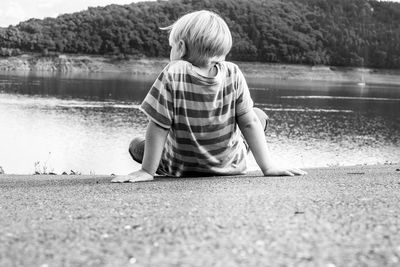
(347, 216)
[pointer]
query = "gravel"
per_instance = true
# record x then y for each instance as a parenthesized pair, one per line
(342, 216)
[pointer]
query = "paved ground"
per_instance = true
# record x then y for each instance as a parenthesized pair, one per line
(332, 217)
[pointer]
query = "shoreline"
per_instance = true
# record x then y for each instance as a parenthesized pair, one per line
(394, 166)
(250, 172)
(153, 66)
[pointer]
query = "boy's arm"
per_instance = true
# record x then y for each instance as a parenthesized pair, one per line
(252, 131)
(153, 148)
(154, 145)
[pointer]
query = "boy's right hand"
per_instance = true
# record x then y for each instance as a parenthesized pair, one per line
(277, 171)
(137, 176)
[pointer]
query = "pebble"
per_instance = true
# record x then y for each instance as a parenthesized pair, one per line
(260, 243)
(132, 260)
(104, 236)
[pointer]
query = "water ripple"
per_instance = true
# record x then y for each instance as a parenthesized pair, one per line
(309, 110)
(341, 98)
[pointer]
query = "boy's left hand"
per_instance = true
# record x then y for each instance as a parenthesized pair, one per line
(137, 176)
(277, 171)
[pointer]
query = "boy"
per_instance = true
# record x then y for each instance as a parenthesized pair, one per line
(194, 108)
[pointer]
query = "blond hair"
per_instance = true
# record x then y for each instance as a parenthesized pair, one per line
(206, 36)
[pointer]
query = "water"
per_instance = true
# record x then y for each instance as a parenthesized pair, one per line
(84, 122)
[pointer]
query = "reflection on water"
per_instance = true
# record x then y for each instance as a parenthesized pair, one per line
(84, 123)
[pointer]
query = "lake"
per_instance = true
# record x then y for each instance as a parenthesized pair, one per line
(84, 122)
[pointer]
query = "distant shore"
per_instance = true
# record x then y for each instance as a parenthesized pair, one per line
(151, 66)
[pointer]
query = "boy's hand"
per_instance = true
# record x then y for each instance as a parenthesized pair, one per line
(277, 171)
(137, 176)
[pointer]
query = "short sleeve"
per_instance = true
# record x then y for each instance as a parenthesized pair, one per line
(158, 103)
(244, 103)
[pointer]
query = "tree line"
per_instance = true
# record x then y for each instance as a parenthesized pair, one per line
(332, 32)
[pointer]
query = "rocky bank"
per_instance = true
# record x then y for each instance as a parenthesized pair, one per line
(152, 66)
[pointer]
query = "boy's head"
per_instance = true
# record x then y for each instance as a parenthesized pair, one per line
(202, 37)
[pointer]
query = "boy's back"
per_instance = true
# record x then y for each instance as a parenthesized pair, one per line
(200, 113)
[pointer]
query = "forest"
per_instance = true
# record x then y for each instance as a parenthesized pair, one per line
(356, 33)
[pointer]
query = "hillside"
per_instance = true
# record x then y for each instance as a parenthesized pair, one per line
(363, 33)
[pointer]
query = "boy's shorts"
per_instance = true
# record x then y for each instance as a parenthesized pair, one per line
(136, 149)
(263, 117)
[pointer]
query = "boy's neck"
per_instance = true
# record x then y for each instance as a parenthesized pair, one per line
(208, 71)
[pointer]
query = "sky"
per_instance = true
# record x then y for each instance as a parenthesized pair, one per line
(14, 11)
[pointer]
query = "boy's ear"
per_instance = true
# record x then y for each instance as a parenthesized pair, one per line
(182, 48)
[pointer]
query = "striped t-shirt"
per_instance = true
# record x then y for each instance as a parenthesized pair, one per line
(200, 113)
